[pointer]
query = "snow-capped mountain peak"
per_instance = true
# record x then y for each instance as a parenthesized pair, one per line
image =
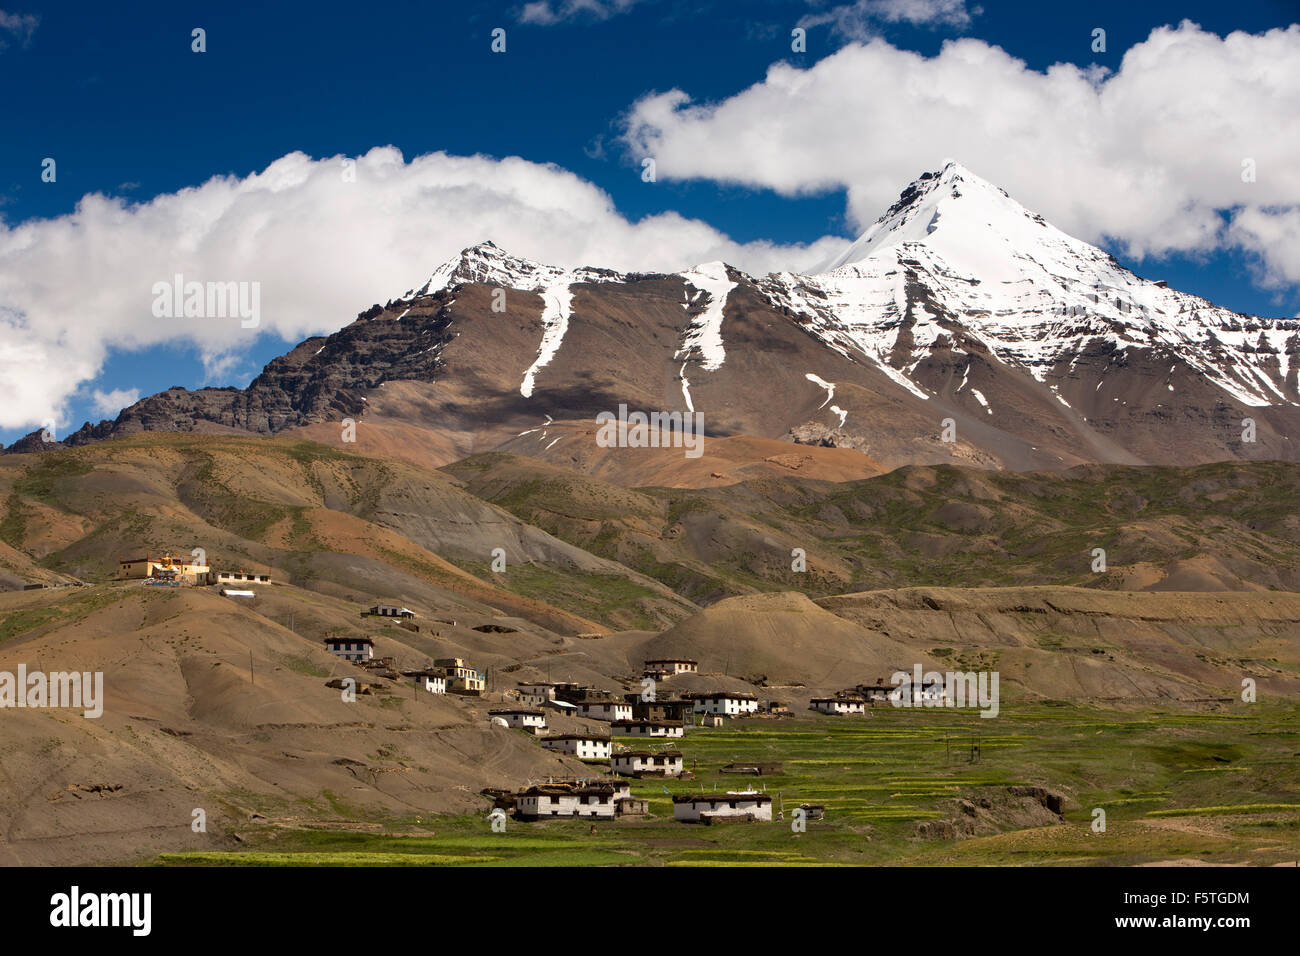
(971, 226)
(955, 259)
(956, 253)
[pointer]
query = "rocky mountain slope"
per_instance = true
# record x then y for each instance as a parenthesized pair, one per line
(959, 328)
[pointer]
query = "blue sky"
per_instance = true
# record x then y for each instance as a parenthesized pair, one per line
(115, 94)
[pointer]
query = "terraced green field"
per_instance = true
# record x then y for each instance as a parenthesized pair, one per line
(1218, 786)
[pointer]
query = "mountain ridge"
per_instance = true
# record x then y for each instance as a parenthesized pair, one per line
(957, 305)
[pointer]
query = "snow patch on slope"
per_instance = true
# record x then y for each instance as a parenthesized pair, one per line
(558, 296)
(704, 335)
(822, 383)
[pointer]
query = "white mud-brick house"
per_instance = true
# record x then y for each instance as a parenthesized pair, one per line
(621, 787)
(647, 728)
(391, 610)
(351, 648)
(582, 746)
(706, 807)
(602, 708)
(670, 667)
(574, 692)
(435, 682)
(645, 763)
(875, 693)
(726, 703)
(462, 678)
(521, 718)
(926, 694)
(535, 693)
(551, 800)
(839, 705)
(237, 577)
(929, 694)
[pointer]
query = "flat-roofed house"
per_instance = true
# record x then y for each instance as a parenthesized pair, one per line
(631, 806)
(928, 694)
(391, 610)
(646, 728)
(572, 692)
(237, 577)
(462, 678)
(604, 708)
(646, 763)
(558, 800)
(535, 693)
(727, 703)
(354, 648)
(521, 718)
(875, 693)
(924, 694)
(839, 705)
(582, 746)
(662, 708)
(434, 681)
(705, 807)
(670, 667)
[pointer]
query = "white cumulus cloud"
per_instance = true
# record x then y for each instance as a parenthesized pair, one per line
(1149, 154)
(322, 249)
(108, 404)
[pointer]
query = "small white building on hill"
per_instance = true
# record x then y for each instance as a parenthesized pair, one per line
(434, 682)
(551, 800)
(582, 746)
(701, 807)
(351, 648)
(645, 763)
(647, 728)
(726, 703)
(599, 708)
(521, 718)
(838, 705)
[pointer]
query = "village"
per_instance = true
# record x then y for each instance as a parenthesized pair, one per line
(633, 735)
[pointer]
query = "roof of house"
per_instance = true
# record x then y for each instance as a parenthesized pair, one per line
(349, 640)
(646, 723)
(560, 790)
(720, 695)
(524, 711)
(672, 660)
(649, 753)
(595, 738)
(720, 797)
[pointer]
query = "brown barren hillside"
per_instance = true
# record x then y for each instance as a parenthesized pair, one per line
(210, 704)
(1077, 643)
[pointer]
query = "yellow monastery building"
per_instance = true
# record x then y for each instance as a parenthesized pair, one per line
(166, 567)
